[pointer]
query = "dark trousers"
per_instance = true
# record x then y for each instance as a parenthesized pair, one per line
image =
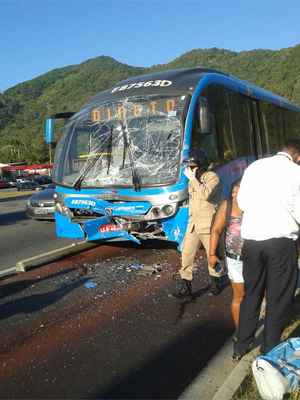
(270, 267)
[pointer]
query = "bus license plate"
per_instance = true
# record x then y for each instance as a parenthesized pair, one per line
(109, 228)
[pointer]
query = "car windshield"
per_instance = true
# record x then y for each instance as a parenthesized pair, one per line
(124, 143)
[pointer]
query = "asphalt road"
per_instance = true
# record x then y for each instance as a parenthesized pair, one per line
(123, 336)
(97, 326)
(22, 237)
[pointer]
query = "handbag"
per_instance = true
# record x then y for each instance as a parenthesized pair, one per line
(278, 372)
(270, 382)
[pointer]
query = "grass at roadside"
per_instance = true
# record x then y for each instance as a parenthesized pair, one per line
(248, 390)
(15, 193)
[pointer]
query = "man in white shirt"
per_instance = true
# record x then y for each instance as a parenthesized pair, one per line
(269, 197)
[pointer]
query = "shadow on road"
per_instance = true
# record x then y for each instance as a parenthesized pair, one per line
(37, 302)
(12, 218)
(15, 198)
(169, 373)
(145, 244)
(14, 287)
(183, 304)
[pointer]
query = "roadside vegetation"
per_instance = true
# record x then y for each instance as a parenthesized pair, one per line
(23, 108)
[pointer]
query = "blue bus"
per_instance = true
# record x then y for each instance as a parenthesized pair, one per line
(119, 164)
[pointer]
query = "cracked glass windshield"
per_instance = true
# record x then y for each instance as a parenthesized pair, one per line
(128, 143)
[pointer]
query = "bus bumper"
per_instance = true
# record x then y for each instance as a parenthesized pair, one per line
(173, 229)
(92, 231)
(89, 230)
(65, 228)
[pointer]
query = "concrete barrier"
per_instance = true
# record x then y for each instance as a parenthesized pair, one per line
(46, 258)
(53, 255)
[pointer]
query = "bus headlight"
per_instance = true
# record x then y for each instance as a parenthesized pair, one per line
(62, 209)
(168, 209)
(162, 211)
(156, 212)
(58, 208)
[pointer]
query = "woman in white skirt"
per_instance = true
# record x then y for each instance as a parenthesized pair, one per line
(228, 218)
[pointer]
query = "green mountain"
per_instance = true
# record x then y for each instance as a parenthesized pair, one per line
(23, 107)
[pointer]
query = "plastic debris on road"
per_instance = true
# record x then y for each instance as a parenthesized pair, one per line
(136, 267)
(143, 269)
(90, 284)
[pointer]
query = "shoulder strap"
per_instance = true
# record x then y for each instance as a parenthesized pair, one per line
(228, 212)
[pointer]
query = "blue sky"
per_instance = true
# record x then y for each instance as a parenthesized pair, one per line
(37, 36)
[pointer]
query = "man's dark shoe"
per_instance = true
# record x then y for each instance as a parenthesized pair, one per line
(215, 286)
(182, 287)
(237, 356)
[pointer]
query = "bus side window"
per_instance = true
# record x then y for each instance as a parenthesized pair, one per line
(274, 126)
(206, 142)
(242, 132)
(211, 143)
(234, 135)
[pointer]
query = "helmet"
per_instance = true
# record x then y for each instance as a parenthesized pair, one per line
(197, 157)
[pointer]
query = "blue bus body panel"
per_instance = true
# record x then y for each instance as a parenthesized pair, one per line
(104, 207)
(145, 191)
(175, 227)
(67, 229)
(91, 228)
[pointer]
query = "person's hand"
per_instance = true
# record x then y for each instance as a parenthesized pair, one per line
(190, 173)
(212, 261)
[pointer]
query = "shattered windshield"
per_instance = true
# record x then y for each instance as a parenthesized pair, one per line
(133, 142)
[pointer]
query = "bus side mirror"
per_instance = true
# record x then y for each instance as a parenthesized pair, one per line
(204, 116)
(49, 130)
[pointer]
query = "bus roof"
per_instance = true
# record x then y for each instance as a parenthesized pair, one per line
(185, 81)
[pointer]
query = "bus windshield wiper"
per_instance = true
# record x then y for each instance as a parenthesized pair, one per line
(80, 179)
(128, 145)
(91, 164)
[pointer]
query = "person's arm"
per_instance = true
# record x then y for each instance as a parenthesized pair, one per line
(216, 231)
(296, 207)
(244, 194)
(208, 183)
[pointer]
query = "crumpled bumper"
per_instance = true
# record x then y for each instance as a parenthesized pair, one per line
(92, 230)
(89, 230)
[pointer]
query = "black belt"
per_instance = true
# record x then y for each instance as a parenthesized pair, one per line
(234, 256)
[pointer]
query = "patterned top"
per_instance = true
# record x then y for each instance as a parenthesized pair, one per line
(233, 240)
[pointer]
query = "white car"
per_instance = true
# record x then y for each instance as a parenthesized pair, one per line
(22, 180)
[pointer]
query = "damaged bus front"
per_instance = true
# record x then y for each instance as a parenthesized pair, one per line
(118, 165)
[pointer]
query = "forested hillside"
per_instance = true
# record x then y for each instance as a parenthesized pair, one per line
(23, 108)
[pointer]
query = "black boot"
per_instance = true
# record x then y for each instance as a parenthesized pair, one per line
(215, 286)
(182, 287)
